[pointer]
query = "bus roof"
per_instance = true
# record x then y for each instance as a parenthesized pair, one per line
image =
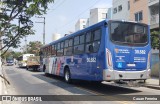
(85, 30)
(77, 32)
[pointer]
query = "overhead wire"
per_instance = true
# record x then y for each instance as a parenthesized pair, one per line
(60, 4)
(72, 20)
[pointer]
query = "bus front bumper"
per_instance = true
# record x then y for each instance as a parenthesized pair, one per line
(113, 75)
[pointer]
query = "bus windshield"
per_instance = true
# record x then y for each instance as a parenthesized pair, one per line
(128, 33)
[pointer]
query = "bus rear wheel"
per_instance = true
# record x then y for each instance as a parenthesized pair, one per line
(67, 76)
(44, 70)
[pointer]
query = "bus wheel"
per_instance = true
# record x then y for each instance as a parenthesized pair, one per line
(44, 68)
(67, 76)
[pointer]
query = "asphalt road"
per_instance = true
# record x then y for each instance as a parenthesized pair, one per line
(24, 82)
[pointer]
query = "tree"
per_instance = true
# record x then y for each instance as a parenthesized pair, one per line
(23, 10)
(11, 54)
(16, 54)
(155, 40)
(7, 54)
(34, 47)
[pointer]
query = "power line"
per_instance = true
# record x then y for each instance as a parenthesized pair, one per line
(72, 20)
(60, 4)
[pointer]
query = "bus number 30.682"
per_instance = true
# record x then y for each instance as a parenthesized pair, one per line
(91, 59)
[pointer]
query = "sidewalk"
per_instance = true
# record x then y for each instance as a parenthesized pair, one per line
(153, 83)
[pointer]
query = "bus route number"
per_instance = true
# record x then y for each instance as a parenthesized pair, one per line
(91, 59)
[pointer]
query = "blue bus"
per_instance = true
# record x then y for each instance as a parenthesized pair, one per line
(110, 50)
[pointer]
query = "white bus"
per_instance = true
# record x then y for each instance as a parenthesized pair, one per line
(22, 60)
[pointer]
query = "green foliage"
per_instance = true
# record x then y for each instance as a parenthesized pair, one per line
(7, 54)
(155, 39)
(16, 54)
(23, 11)
(34, 47)
(11, 54)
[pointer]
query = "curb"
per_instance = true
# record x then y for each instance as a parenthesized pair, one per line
(153, 87)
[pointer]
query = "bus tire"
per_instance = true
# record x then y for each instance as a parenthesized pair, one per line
(67, 75)
(44, 68)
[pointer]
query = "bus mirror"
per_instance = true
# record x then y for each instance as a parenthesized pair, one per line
(90, 48)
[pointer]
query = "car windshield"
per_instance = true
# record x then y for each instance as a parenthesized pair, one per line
(125, 32)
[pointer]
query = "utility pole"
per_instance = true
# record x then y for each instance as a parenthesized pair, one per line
(25, 44)
(159, 43)
(43, 28)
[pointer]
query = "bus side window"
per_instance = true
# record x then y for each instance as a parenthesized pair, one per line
(70, 48)
(82, 39)
(88, 47)
(95, 46)
(88, 37)
(49, 50)
(97, 34)
(88, 42)
(96, 38)
(93, 41)
(62, 48)
(66, 43)
(55, 47)
(76, 40)
(59, 53)
(53, 50)
(79, 44)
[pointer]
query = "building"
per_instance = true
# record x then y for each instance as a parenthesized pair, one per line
(81, 24)
(87, 24)
(97, 15)
(153, 14)
(121, 9)
(139, 11)
(56, 36)
(109, 13)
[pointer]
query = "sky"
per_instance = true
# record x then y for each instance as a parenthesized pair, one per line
(62, 17)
